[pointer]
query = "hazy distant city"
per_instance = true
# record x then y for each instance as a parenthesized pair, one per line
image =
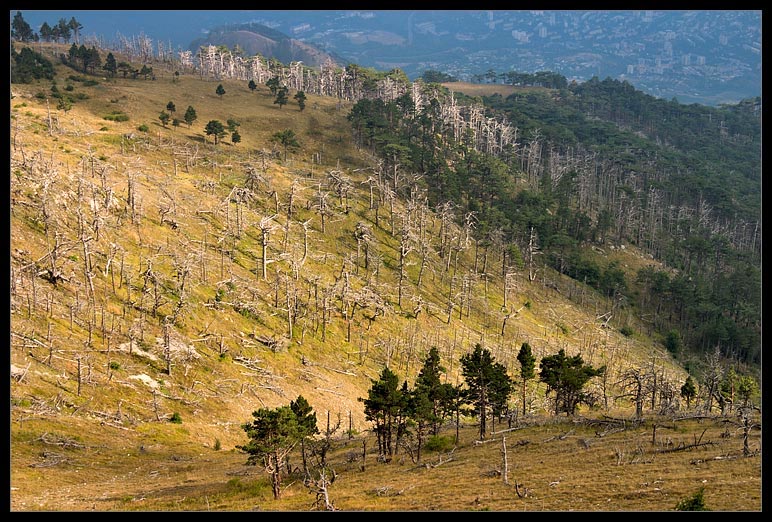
(707, 57)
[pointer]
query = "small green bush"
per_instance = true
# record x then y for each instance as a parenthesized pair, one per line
(694, 503)
(217, 445)
(258, 488)
(175, 418)
(439, 443)
(627, 331)
(116, 116)
(115, 365)
(143, 128)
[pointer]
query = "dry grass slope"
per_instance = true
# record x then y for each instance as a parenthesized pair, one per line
(138, 297)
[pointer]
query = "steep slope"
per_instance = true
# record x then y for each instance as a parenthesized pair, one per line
(164, 287)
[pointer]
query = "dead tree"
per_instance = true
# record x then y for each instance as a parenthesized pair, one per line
(322, 206)
(266, 228)
(167, 341)
(505, 464)
(507, 316)
(406, 246)
(531, 252)
(363, 236)
(321, 486)
(636, 382)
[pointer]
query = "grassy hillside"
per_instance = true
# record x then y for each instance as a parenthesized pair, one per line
(145, 330)
(485, 89)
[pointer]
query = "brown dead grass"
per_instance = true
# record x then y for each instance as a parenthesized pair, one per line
(108, 446)
(558, 466)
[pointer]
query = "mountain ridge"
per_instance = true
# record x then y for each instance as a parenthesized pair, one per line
(707, 57)
(257, 39)
(175, 230)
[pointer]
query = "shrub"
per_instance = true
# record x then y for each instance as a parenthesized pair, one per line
(217, 445)
(439, 443)
(116, 116)
(143, 128)
(673, 342)
(258, 488)
(175, 418)
(694, 503)
(627, 331)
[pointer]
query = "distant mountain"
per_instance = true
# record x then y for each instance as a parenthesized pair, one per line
(254, 38)
(700, 56)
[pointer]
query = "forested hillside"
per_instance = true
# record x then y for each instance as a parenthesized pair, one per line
(600, 165)
(198, 241)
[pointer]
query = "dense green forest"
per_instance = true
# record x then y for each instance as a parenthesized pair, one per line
(600, 164)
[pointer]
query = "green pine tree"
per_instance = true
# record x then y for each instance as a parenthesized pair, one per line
(488, 385)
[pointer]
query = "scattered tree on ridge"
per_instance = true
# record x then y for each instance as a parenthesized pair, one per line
(566, 376)
(190, 115)
(76, 27)
(281, 97)
(385, 406)
(307, 424)
(488, 385)
(111, 66)
(146, 71)
(125, 68)
(287, 139)
(689, 391)
(527, 367)
(273, 85)
(20, 29)
(300, 96)
(274, 433)
(232, 125)
(431, 400)
(215, 128)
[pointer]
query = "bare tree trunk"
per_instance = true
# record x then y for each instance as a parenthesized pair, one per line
(505, 466)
